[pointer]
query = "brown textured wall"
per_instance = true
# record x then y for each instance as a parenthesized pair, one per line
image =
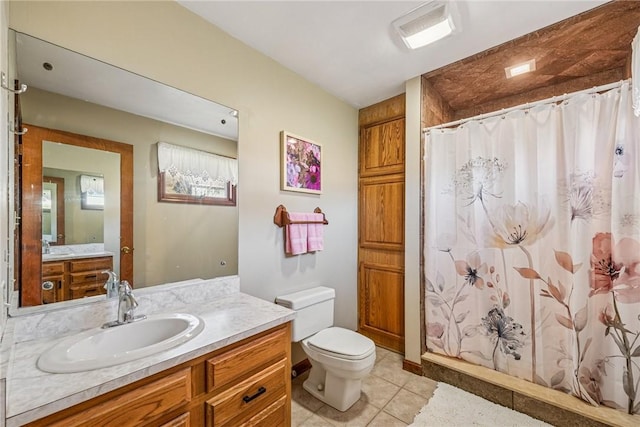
(435, 110)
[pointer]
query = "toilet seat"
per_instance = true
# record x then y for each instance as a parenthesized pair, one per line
(342, 343)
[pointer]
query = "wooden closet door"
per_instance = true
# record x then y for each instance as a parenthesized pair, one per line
(381, 231)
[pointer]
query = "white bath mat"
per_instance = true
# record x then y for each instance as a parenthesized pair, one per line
(452, 407)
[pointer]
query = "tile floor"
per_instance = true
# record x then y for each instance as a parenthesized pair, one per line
(390, 397)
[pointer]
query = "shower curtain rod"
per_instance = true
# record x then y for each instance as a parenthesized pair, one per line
(527, 105)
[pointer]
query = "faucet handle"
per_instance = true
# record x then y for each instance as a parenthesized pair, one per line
(113, 277)
(125, 288)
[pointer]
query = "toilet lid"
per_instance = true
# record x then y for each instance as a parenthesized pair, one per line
(343, 342)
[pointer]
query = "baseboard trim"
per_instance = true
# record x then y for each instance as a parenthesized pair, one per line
(413, 367)
(300, 368)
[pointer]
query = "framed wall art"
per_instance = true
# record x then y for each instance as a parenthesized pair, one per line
(301, 164)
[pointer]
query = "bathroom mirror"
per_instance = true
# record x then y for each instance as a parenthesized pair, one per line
(71, 216)
(89, 99)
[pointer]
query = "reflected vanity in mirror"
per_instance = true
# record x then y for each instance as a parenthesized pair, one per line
(93, 193)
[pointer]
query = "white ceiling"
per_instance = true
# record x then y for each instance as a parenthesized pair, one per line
(349, 49)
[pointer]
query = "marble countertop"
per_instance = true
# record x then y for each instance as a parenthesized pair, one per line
(33, 394)
(68, 256)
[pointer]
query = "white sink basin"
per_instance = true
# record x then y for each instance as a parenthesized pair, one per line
(99, 348)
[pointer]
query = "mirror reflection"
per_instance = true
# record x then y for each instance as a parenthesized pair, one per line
(94, 207)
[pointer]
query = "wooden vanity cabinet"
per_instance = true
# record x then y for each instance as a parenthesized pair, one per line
(75, 278)
(52, 271)
(244, 384)
(86, 277)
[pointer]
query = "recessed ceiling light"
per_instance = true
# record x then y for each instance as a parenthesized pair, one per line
(426, 24)
(522, 68)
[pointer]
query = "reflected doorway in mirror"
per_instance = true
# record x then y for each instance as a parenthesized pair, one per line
(53, 210)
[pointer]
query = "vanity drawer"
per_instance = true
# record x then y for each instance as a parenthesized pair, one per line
(89, 264)
(52, 268)
(86, 291)
(137, 407)
(244, 401)
(183, 420)
(273, 416)
(235, 364)
(88, 277)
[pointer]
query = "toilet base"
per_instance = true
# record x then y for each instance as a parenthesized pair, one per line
(339, 393)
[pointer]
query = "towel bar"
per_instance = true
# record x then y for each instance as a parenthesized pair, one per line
(281, 217)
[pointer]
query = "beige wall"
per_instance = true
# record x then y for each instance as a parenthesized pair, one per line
(166, 42)
(162, 253)
(413, 138)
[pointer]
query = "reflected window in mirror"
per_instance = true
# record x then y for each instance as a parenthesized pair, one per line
(92, 191)
(187, 175)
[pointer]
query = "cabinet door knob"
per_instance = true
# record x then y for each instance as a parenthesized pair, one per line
(47, 286)
(126, 250)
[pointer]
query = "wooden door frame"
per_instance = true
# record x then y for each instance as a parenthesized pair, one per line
(31, 236)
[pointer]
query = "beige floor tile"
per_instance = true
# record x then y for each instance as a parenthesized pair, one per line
(316, 421)
(391, 370)
(405, 405)
(422, 386)
(378, 391)
(381, 353)
(299, 414)
(396, 356)
(360, 414)
(302, 397)
(385, 420)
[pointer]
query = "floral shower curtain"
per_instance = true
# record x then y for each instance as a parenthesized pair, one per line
(532, 245)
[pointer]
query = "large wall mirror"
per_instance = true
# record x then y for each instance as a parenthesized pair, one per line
(93, 195)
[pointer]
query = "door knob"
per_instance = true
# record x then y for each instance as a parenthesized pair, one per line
(126, 250)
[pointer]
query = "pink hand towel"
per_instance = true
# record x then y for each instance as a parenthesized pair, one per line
(315, 232)
(296, 235)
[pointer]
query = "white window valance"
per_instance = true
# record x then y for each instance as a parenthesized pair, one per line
(189, 161)
(92, 184)
(635, 73)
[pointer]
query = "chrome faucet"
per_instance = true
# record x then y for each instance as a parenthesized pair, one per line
(112, 284)
(46, 248)
(127, 303)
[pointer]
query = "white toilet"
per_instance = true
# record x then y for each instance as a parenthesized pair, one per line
(340, 358)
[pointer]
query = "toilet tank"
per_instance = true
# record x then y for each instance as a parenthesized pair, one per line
(314, 309)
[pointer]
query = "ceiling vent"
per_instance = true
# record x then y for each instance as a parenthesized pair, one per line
(427, 23)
